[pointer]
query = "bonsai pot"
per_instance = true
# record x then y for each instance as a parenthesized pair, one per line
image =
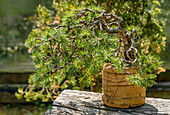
(116, 89)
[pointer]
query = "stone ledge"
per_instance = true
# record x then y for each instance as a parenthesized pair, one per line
(82, 102)
(7, 93)
(17, 67)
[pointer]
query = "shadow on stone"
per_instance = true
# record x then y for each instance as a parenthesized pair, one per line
(100, 108)
(103, 110)
(144, 109)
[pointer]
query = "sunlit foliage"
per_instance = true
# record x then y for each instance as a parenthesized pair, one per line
(90, 52)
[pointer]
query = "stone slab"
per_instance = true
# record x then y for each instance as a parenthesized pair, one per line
(14, 78)
(20, 67)
(73, 102)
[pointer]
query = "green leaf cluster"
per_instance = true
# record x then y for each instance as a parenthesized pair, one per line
(92, 51)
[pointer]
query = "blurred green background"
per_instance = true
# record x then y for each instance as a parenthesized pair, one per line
(16, 21)
(165, 16)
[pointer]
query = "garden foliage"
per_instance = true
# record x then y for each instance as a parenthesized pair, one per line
(67, 56)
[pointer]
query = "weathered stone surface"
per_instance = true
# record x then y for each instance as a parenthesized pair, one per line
(83, 103)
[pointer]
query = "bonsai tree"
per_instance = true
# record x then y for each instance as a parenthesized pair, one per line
(71, 54)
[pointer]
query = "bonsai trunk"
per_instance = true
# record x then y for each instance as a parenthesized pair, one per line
(127, 44)
(96, 83)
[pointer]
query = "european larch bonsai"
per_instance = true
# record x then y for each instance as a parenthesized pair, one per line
(62, 53)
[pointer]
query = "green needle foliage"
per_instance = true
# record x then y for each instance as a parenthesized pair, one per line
(69, 53)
